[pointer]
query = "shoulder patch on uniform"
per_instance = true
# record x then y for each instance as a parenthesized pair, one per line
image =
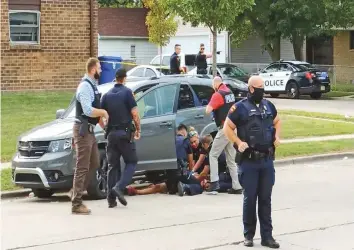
(232, 109)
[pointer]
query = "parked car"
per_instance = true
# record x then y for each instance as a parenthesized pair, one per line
(187, 61)
(45, 157)
(295, 78)
(142, 72)
(225, 71)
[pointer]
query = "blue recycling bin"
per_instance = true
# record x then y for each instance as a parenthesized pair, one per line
(109, 66)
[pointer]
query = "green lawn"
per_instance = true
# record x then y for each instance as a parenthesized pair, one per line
(313, 148)
(343, 87)
(316, 115)
(6, 181)
(23, 111)
(338, 94)
(294, 127)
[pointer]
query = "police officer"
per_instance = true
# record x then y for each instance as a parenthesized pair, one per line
(175, 61)
(201, 60)
(121, 106)
(220, 104)
(88, 113)
(258, 125)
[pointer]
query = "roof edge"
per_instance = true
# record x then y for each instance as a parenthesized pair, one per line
(122, 37)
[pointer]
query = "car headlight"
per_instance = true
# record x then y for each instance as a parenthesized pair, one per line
(60, 145)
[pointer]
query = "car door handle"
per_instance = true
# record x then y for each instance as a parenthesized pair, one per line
(165, 124)
(270, 75)
(199, 116)
(286, 74)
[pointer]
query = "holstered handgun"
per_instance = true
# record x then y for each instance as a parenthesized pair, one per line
(83, 127)
(132, 132)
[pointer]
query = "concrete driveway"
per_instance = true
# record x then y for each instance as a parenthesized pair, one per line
(312, 209)
(335, 106)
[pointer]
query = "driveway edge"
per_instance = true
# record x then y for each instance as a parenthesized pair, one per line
(277, 163)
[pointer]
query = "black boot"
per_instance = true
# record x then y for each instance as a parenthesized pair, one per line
(248, 242)
(271, 243)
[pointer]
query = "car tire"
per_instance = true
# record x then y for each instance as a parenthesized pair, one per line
(42, 193)
(316, 95)
(97, 188)
(274, 95)
(292, 90)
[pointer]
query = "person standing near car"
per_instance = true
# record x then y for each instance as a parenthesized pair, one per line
(120, 132)
(175, 61)
(201, 60)
(220, 104)
(255, 141)
(88, 114)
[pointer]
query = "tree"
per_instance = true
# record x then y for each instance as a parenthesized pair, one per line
(218, 15)
(161, 24)
(121, 3)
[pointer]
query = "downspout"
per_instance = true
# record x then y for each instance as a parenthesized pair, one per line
(230, 51)
(92, 35)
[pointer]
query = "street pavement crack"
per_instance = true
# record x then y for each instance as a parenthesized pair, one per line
(283, 234)
(138, 230)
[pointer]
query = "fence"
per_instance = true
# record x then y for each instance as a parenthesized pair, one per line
(338, 74)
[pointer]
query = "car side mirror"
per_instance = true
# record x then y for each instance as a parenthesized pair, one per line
(59, 113)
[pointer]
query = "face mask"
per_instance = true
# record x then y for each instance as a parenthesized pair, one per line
(257, 95)
(97, 76)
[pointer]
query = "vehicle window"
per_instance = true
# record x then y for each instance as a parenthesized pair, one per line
(285, 67)
(160, 101)
(141, 91)
(232, 71)
(204, 93)
(156, 61)
(166, 95)
(149, 73)
(166, 60)
(305, 66)
(272, 68)
(138, 72)
(185, 99)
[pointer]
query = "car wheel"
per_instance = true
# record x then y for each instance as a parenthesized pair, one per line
(274, 95)
(97, 188)
(316, 95)
(292, 90)
(42, 193)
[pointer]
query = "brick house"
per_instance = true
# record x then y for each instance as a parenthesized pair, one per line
(343, 55)
(45, 43)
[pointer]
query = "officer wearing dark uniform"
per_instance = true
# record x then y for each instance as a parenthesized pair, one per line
(121, 106)
(258, 126)
(175, 61)
(201, 60)
(220, 104)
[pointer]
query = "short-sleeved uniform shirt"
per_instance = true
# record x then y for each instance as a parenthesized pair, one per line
(175, 63)
(238, 112)
(118, 102)
(196, 153)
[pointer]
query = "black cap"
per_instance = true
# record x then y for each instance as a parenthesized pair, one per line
(121, 73)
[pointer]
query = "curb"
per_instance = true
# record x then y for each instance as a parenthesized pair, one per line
(277, 163)
(313, 158)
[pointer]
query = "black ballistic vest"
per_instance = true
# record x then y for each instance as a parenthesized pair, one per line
(257, 129)
(201, 63)
(95, 104)
(221, 113)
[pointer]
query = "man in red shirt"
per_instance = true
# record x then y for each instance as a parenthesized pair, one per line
(221, 102)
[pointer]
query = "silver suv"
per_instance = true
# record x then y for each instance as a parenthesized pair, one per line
(45, 159)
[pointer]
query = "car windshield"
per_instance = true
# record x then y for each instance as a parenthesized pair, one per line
(304, 66)
(232, 71)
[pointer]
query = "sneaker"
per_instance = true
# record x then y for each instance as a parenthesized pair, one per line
(234, 191)
(271, 243)
(213, 188)
(80, 209)
(180, 187)
(119, 194)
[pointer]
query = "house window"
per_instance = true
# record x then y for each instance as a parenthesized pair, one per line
(351, 40)
(132, 51)
(24, 26)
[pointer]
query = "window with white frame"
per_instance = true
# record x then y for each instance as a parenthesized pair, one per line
(24, 26)
(132, 51)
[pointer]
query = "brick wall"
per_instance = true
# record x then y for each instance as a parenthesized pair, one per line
(59, 61)
(343, 58)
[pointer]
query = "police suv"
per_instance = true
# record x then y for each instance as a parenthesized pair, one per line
(294, 78)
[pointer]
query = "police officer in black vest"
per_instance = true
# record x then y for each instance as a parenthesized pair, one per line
(122, 108)
(88, 113)
(220, 104)
(201, 60)
(258, 127)
(175, 61)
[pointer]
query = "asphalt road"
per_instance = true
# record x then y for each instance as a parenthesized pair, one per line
(312, 209)
(335, 106)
